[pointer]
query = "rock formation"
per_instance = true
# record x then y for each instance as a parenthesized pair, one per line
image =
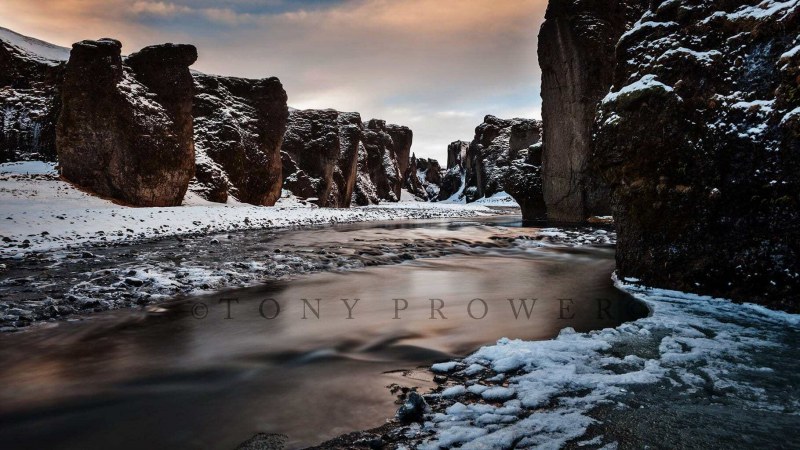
(123, 134)
(576, 54)
(29, 98)
(505, 156)
(700, 142)
(346, 174)
(238, 132)
(402, 138)
(423, 178)
(380, 162)
(320, 155)
(334, 158)
(454, 175)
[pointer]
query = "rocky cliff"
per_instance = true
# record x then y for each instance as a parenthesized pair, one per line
(423, 178)
(504, 156)
(334, 158)
(30, 74)
(700, 142)
(238, 133)
(576, 55)
(320, 154)
(380, 162)
(454, 176)
(124, 131)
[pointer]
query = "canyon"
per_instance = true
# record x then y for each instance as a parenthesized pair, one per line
(690, 144)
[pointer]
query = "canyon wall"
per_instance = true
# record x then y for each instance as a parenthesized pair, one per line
(700, 142)
(576, 55)
(238, 132)
(423, 178)
(334, 158)
(504, 156)
(29, 98)
(320, 155)
(123, 133)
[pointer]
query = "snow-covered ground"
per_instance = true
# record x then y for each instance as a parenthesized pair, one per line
(708, 364)
(39, 212)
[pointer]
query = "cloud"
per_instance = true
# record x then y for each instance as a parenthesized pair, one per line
(438, 66)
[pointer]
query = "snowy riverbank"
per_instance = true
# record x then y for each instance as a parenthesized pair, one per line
(41, 213)
(695, 369)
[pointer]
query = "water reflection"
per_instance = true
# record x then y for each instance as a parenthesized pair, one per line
(168, 379)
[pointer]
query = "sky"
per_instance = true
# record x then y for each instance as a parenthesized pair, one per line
(436, 66)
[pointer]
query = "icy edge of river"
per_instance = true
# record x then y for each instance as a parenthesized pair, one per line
(544, 394)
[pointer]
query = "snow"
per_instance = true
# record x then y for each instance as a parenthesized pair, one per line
(49, 214)
(498, 199)
(707, 58)
(689, 346)
(766, 10)
(28, 168)
(647, 82)
(791, 115)
(790, 53)
(43, 51)
(647, 25)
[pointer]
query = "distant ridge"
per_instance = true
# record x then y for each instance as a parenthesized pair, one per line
(40, 49)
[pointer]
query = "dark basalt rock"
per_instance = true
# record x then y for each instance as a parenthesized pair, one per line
(345, 174)
(576, 53)
(239, 126)
(423, 178)
(119, 138)
(700, 142)
(402, 138)
(381, 161)
(320, 153)
(504, 156)
(29, 101)
(413, 409)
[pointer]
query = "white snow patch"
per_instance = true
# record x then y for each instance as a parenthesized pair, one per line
(51, 214)
(647, 82)
(44, 51)
(696, 343)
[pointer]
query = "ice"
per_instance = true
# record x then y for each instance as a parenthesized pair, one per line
(693, 344)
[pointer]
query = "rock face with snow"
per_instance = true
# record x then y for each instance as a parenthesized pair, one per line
(700, 142)
(379, 163)
(125, 133)
(320, 155)
(423, 178)
(454, 175)
(29, 97)
(239, 126)
(505, 156)
(576, 54)
(402, 138)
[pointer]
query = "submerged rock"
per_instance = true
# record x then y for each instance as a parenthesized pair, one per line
(265, 441)
(122, 133)
(413, 409)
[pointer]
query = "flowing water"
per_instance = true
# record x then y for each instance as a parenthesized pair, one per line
(310, 358)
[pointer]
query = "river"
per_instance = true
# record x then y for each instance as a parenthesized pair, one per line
(310, 357)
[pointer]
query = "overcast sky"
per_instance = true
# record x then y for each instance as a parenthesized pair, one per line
(437, 66)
